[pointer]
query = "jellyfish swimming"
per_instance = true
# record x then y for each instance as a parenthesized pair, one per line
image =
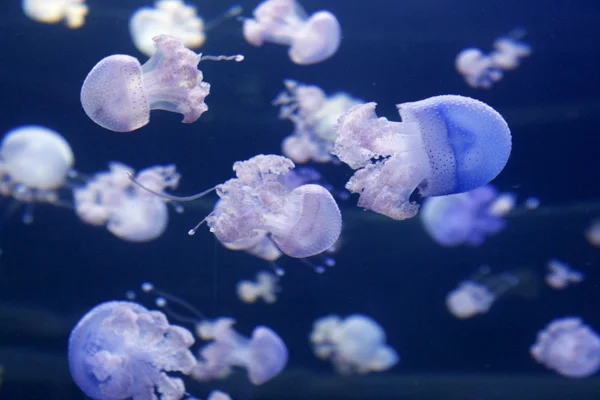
(167, 17)
(463, 218)
(478, 294)
(128, 211)
(73, 12)
(561, 275)
(264, 355)
(34, 164)
(444, 145)
(312, 39)
(355, 344)
(120, 350)
(569, 347)
(313, 114)
(592, 233)
(265, 288)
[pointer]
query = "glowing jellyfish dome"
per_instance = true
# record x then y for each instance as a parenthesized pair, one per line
(73, 12)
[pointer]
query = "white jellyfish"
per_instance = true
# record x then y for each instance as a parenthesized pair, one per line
(592, 233)
(354, 345)
(73, 12)
(477, 295)
(34, 164)
(569, 347)
(561, 275)
(313, 114)
(129, 212)
(265, 288)
(311, 39)
(264, 355)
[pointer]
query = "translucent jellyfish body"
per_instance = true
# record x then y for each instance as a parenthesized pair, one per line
(34, 164)
(302, 222)
(73, 12)
(168, 17)
(128, 211)
(569, 347)
(463, 218)
(313, 114)
(264, 355)
(120, 350)
(311, 39)
(119, 93)
(265, 288)
(444, 145)
(561, 275)
(354, 345)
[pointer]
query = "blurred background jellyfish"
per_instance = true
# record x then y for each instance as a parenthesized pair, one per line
(592, 233)
(355, 344)
(167, 17)
(313, 114)
(569, 347)
(129, 212)
(265, 288)
(463, 218)
(476, 295)
(73, 12)
(444, 145)
(560, 275)
(264, 355)
(120, 350)
(311, 39)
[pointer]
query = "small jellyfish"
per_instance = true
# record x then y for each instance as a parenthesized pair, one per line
(120, 350)
(561, 275)
(34, 164)
(264, 355)
(569, 347)
(508, 52)
(168, 17)
(477, 295)
(354, 345)
(265, 288)
(592, 233)
(313, 114)
(55, 11)
(119, 93)
(128, 211)
(444, 145)
(463, 218)
(311, 39)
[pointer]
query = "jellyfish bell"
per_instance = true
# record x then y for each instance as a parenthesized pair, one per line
(73, 12)
(318, 39)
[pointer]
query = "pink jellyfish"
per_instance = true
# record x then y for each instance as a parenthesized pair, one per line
(311, 39)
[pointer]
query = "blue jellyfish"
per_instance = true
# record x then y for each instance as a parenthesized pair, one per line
(444, 145)
(120, 350)
(463, 218)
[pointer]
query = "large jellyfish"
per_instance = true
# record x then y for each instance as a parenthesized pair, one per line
(463, 218)
(444, 145)
(313, 114)
(120, 350)
(54, 11)
(561, 275)
(265, 288)
(34, 164)
(354, 345)
(264, 355)
(128, 211)
(311, 39)
(569, 347)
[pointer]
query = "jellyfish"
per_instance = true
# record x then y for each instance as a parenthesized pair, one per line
(355, 344)
(532, 203)
(265, 288)
(120, 350)
(569, 347)
(444, 145)
(34, 164)
(561, 275)
(313, 114)
(311, 39)
(168, 17)
(476, 295)
(264, 355)
(463, 218)
(592, 233)
(508, 52)
(128, 211)
(73, 12)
